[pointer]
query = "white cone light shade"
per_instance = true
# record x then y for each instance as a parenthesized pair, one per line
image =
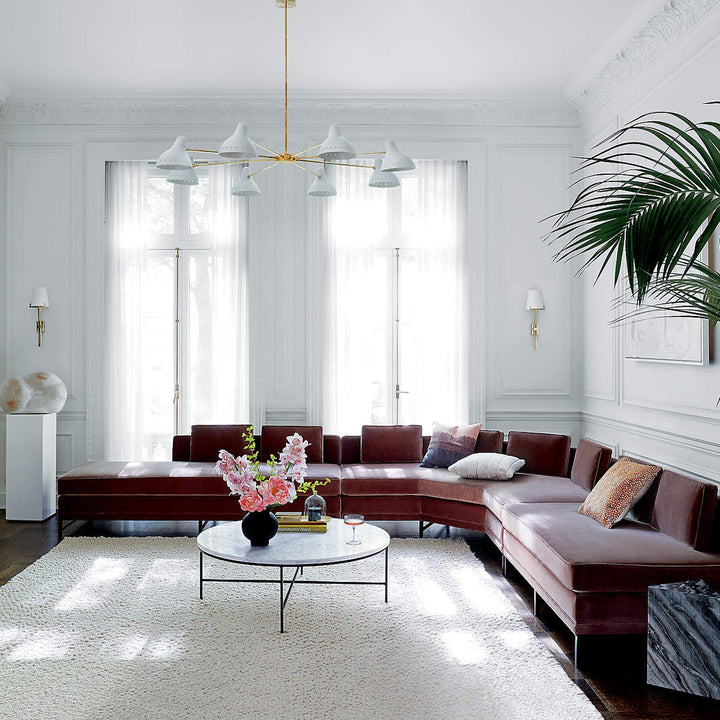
(183, 177)
(238, 145)
(245, 186)
(394, 160)
(336, 147)
(322, 187)
(39, 297)
(382, 179)
(534, 300)
(176, 158)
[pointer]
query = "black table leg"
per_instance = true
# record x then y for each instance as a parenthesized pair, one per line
(282, 602)
(201, 574)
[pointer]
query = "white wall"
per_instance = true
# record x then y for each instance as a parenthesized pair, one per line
(52, 233)
(664, 412)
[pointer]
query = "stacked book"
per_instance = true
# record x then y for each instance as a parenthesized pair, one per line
(296, 522)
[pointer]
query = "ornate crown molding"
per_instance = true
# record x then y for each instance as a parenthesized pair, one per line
(369, 111)
(661, 31)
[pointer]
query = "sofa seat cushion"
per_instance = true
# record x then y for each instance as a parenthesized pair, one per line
(387, 478)
(143, 478)
(586, 557)
(166, 478)
(320, 471)
(527, 488)
(448, 486)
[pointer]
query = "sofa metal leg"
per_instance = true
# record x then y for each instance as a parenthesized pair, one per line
(575, 651)
(447, 531)
(421, 529)
(503, 566)
(535, 603)
(59, 529)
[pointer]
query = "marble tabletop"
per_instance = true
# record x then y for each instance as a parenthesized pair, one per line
(290, 549)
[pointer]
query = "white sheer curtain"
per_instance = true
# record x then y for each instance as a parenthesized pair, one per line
(208, 278)
(218, 343)
(127, 351)
(374, 252)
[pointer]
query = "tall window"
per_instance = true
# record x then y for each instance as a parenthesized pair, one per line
(176, 308)
(394, 329)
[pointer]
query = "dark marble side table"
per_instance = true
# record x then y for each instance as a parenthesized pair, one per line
(683, 645)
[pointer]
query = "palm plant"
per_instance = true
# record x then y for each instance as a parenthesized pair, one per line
(649, 206)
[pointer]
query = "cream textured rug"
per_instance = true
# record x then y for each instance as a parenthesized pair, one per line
(113, 628)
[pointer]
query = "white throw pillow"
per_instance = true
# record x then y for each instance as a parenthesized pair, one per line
(487, 466)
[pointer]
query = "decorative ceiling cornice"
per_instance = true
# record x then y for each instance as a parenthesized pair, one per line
(306, 111)
(661, 31)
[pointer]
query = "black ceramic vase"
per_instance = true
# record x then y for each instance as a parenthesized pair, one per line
(259, 527)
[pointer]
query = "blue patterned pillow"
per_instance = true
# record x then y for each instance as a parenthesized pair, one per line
(450, 443)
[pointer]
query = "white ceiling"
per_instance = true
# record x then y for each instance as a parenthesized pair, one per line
(185, 48)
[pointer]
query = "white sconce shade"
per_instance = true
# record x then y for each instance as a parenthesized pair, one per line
(394, 160)
(183, 177)
(382, 179)
(39, 298)
(322, 187)
(336, 147)
(245, 186)
(238, 145)
(176, 158)
(534, 300)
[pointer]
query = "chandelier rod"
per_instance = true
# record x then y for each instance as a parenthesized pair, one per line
(286, 80)
(331, 162)
(309, 172)
(267, 167)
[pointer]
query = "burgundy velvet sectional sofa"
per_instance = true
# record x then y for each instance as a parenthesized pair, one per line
(594, 579)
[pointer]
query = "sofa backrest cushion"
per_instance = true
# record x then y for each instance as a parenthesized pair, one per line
(543, 453)
(590, 463)
(391, 443)
(332, 452)
(274, 438)
(350, 449)
(181, 447)
(489, 441)
(206, 441)
(685, 509)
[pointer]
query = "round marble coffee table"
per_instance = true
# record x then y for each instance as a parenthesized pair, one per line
(295, 550)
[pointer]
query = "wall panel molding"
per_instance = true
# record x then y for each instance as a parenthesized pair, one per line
(700, 456)
(504, 387)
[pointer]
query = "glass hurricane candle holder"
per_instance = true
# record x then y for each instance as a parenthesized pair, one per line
(315, 507)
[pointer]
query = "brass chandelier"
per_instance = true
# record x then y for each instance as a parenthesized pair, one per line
(239, 149)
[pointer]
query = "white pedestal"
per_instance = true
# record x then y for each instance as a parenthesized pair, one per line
(30, 466)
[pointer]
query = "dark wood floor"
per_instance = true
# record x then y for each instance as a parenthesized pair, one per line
(612, 670)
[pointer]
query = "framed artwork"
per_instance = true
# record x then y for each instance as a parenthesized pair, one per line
(669, 338)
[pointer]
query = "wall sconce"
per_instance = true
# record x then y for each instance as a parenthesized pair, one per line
(39, 300)
(534, 302)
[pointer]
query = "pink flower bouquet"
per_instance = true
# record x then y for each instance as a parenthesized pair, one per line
(275, 484)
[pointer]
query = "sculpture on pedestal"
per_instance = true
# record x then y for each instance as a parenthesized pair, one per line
(37, 393)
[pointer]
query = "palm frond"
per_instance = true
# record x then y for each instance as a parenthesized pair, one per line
(650, 203)
(689, 291)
